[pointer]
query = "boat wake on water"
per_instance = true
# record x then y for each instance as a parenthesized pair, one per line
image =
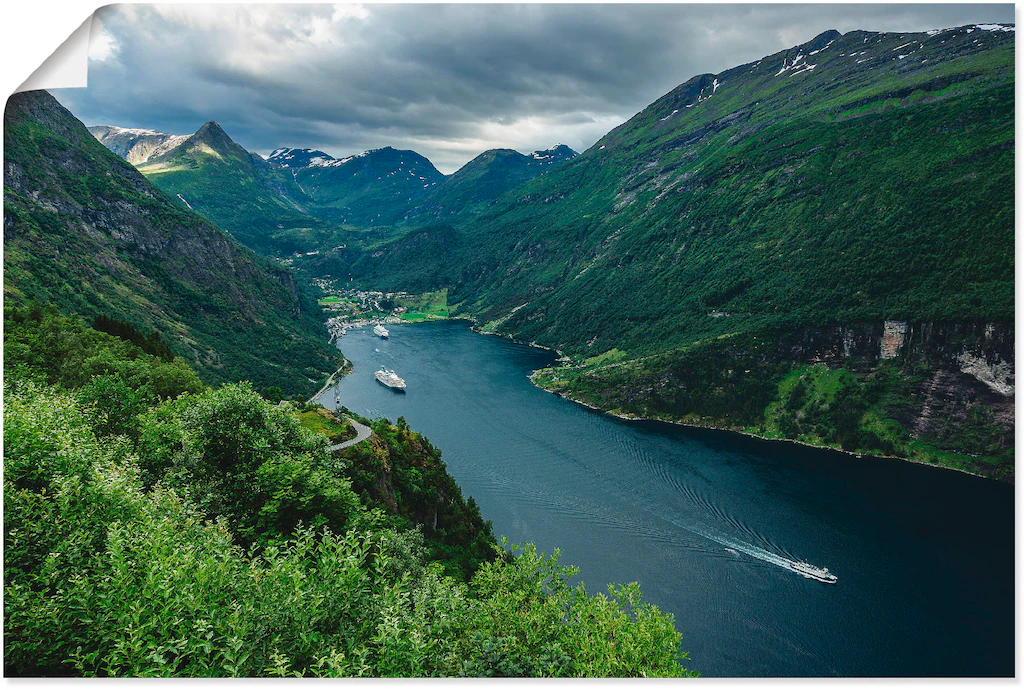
(800, 567)
(734, 545)
(768, 555)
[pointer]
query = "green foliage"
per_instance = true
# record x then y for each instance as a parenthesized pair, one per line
(117, 378)
(150, 343)
(752, 382)
(725, 380)
(247, 461)
(866, 412)
(273, 394)
(105, 577)
(534, 623)
(403, 471)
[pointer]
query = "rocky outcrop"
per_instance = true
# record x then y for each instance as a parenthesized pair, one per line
(964, 373)
(136, 145)
(983, 350)
(997, 375)
(894, 334)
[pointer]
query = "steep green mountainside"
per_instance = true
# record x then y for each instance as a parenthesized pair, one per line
(868, 187)
(849, 180)
(484, 179)
(85, 231)
(297, 200)
(237, 190)
(154, 527)
(136, 145)
(373, 188)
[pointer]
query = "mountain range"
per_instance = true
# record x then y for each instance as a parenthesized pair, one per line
(237, 190)
(296, 195)
(696, 260)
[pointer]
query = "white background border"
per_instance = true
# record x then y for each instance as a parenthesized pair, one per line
(31, 30)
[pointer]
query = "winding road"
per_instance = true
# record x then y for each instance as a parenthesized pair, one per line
(362, 433)
(330, 380)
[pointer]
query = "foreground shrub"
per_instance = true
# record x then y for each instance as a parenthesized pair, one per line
(104, 576)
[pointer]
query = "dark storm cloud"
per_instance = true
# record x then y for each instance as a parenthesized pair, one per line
(446, 80)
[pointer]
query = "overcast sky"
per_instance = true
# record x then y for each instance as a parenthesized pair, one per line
(448, 81)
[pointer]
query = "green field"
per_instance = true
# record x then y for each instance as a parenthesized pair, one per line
(323, 422)
(425, 307)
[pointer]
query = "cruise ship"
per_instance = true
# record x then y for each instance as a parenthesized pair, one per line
(390, 379)
(381, 331)
(815, 573)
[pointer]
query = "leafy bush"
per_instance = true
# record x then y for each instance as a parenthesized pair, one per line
(105, 577)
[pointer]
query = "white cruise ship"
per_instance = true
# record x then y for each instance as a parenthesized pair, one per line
(381, 331)
(390, 379)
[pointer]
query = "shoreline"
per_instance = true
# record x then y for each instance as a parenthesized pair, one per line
(750, 434)
(688, 425)
(346, 363)
(510, 338)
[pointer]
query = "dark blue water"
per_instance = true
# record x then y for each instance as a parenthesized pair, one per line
(700, 519)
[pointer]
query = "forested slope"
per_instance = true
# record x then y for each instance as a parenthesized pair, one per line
(85, 231)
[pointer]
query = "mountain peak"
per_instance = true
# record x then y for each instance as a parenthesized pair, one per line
(556, 154)
(285, 157)
(211, 132)
(821, 40)
(212, 127)
(213, 136)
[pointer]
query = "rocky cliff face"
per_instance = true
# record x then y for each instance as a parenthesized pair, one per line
(959, 366)
(983, 350)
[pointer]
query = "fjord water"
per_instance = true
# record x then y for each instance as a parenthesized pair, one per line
(702, 519)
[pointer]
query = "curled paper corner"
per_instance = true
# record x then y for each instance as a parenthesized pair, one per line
(67, 67)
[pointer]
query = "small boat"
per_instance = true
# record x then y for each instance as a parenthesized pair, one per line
(390, 379)
(812, 572)
(381, 331)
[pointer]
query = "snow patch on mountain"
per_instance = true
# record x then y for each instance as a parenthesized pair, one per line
(138, 131)
(825, 47)
(298, 158)
(787, 65)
